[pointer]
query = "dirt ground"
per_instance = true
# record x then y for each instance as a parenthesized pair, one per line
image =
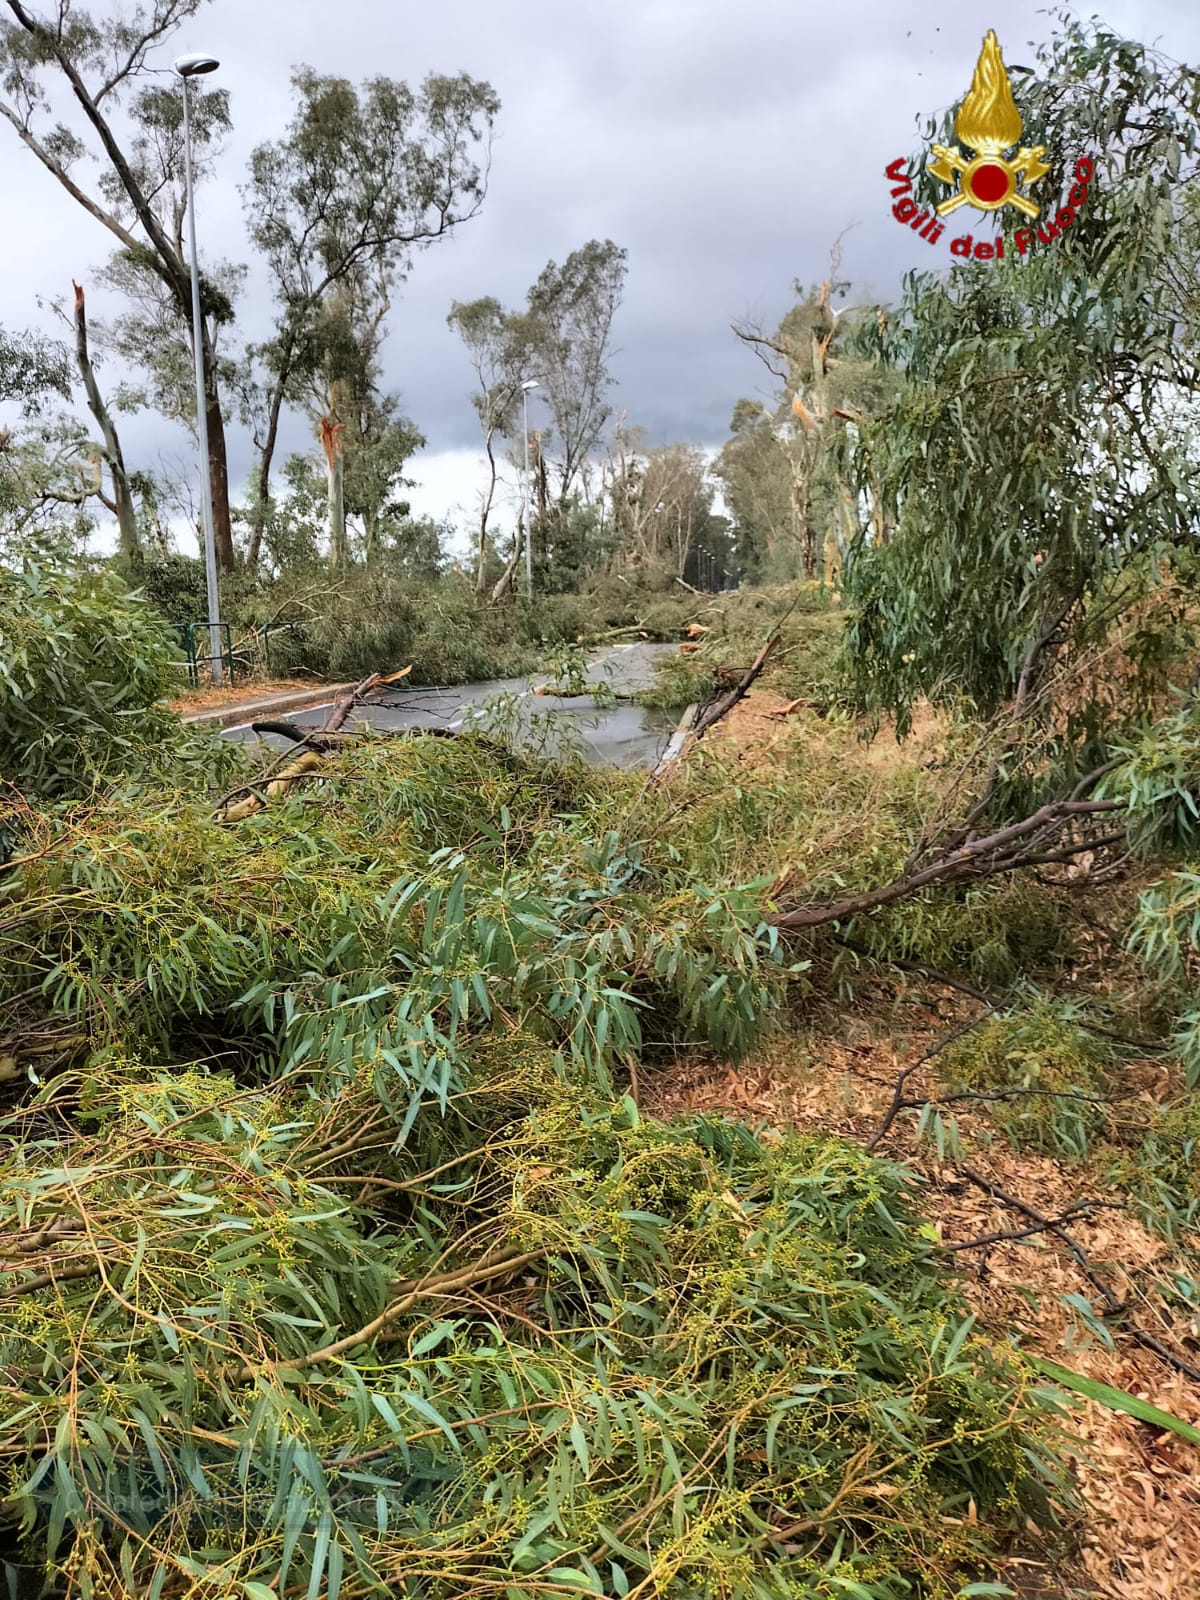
(206, 698)
(1139, 1534)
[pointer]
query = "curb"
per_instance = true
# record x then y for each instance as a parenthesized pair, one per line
(233, 716)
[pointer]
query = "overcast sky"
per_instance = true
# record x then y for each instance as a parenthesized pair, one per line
(724, 143)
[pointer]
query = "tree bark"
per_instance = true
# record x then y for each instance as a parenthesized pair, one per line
(130, 544)
(504, 583)
(484, 513)
(262, 499)
(218, 469)
(335, 464)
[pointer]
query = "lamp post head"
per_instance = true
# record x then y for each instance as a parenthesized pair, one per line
(195, 65)
(530, 383)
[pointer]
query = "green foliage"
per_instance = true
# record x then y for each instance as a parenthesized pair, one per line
(992, 932)
(344, 1265)
(714, 1341)
(1157, 774)
(377, 620)
(83, 665)
(168, 923)
(737, 625)
(175, 586)
(679, 681)
(1038, 467)
(1155, 1158)
(32, 366)
(1119, 1400)
(1054, 1074)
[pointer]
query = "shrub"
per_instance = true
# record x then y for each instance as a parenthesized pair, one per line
(84, 663)
(1156, 1160)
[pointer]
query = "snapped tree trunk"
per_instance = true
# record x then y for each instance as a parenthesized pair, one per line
(335, 464)
(505, 581)
(484, 513)
(130, 542)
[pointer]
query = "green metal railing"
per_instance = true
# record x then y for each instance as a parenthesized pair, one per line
(267, 630)
(197, 648)
(253, 651)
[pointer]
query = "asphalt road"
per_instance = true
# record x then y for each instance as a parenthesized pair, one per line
(618, 735)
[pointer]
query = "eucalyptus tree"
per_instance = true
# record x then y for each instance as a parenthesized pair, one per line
(756, 481)
(362, 180)
(564, 337)
(32, 368)
(821, 384)
(496, 359)
(365, 438)
(132, 128)
(662, 501)
(1040, 464)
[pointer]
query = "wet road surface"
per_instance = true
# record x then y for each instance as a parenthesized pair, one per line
(617, 734)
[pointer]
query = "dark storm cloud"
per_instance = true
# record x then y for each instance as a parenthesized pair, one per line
(725, 143)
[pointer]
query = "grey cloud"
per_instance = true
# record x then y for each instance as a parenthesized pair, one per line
(725, 143)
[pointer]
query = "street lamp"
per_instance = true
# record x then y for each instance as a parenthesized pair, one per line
(530, 383)
(196, 66)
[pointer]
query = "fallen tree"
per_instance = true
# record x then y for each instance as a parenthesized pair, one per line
(329, 1220)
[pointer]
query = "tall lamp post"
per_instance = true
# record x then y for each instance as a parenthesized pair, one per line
(196, 66)
(530, 383)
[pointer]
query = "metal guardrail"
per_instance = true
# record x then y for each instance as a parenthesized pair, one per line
(241, 660)
(194, 633)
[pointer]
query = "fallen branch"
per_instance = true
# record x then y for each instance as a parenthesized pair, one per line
(898, 1101)
(1009, 849)
(1113, 1305)
(407, 1294)
(258, 799)
(309, 742)
(723, 706)
(315, 739)
(1080, 1208)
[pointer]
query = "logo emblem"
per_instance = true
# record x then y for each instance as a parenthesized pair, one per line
(989, 123)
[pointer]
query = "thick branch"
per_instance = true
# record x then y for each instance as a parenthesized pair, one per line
(92, 207)
(722, 707)
(980, 858)
(168, 265)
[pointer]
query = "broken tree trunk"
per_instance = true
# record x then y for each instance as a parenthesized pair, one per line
(723, 706)
(305, 759)
(130, 542)
(505, 581)
(335, 466)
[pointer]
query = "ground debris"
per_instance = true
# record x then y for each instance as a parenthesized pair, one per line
(1140, 1539)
